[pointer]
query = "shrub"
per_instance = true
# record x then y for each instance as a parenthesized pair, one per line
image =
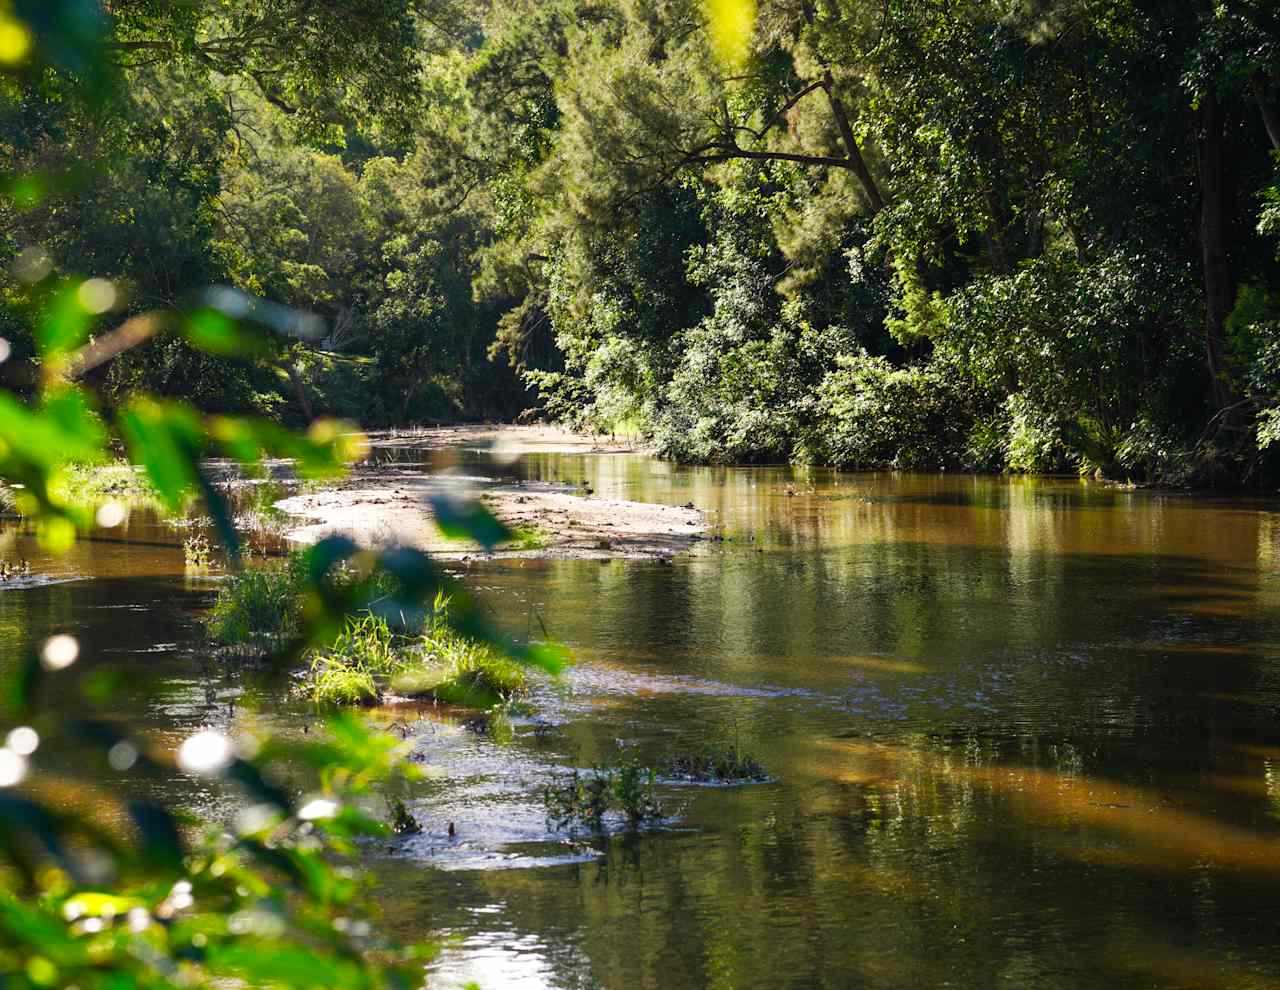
(873, 415)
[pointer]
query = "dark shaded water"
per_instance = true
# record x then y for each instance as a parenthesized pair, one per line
(1023, 733)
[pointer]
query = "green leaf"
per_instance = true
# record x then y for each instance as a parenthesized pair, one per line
(214, 331)
(66, 323)
(327, 554)
(283, 964)
(168, 440)
(65, 429)
(461, 519)
(323, 452)
(21, 686)
(250, 778)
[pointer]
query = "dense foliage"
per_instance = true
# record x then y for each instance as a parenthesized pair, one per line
(1023, 235)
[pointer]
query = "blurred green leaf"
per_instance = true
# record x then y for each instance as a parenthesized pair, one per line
(63, 429)
(321, 453)
(216, 332)
(25, 192)
(68, 34)
(21, 686)
(27, 923)
(461, 519)
(162, 843)
(168, 440)
(66, 322)
(248, 776)
(290, 965)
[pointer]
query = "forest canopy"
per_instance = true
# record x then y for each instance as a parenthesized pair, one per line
(1028, 235)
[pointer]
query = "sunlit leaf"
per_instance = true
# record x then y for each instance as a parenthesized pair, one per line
(25, 192)
(282, 964)
(318, 454)
(731, 24)
(66, 322)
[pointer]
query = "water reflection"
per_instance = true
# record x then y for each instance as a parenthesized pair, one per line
(1023, 732)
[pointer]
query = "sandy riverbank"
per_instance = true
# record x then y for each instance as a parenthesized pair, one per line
(381, 503)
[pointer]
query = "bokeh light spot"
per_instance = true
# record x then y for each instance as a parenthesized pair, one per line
(111, 514)
(23, 740)
(206, 753)
(60, 652)
(96, 295)
(13, 767)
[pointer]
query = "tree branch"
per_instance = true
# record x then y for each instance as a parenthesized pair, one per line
(856, 163)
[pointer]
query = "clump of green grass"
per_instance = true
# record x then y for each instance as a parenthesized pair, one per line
(352, 670)
(8, 500)
(368, 658)
(461, 671)
(623, 786)
(334, 685)
(529, 538)
(259, 606)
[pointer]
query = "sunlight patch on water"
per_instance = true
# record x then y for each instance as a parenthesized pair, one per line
(494, 959)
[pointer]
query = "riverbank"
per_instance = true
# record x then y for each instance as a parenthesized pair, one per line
(384, 502)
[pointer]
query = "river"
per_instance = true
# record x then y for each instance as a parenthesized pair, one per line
(1021, 733)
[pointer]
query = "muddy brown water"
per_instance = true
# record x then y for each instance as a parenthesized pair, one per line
(1022, 733)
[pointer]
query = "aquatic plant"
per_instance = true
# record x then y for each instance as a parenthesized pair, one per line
(333, 684)
(259, 605)
(197, 552)
(461, 671)
(720, 762)
(438, 662)
(584, 798)
(351, 670)
(402, 821)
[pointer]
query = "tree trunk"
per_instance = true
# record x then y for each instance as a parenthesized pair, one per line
(1215, 220)
(1270, 115)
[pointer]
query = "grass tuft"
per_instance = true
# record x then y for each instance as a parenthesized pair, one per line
(259, 606)
(529, 538)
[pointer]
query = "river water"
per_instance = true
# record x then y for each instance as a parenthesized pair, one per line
(1021, 733)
